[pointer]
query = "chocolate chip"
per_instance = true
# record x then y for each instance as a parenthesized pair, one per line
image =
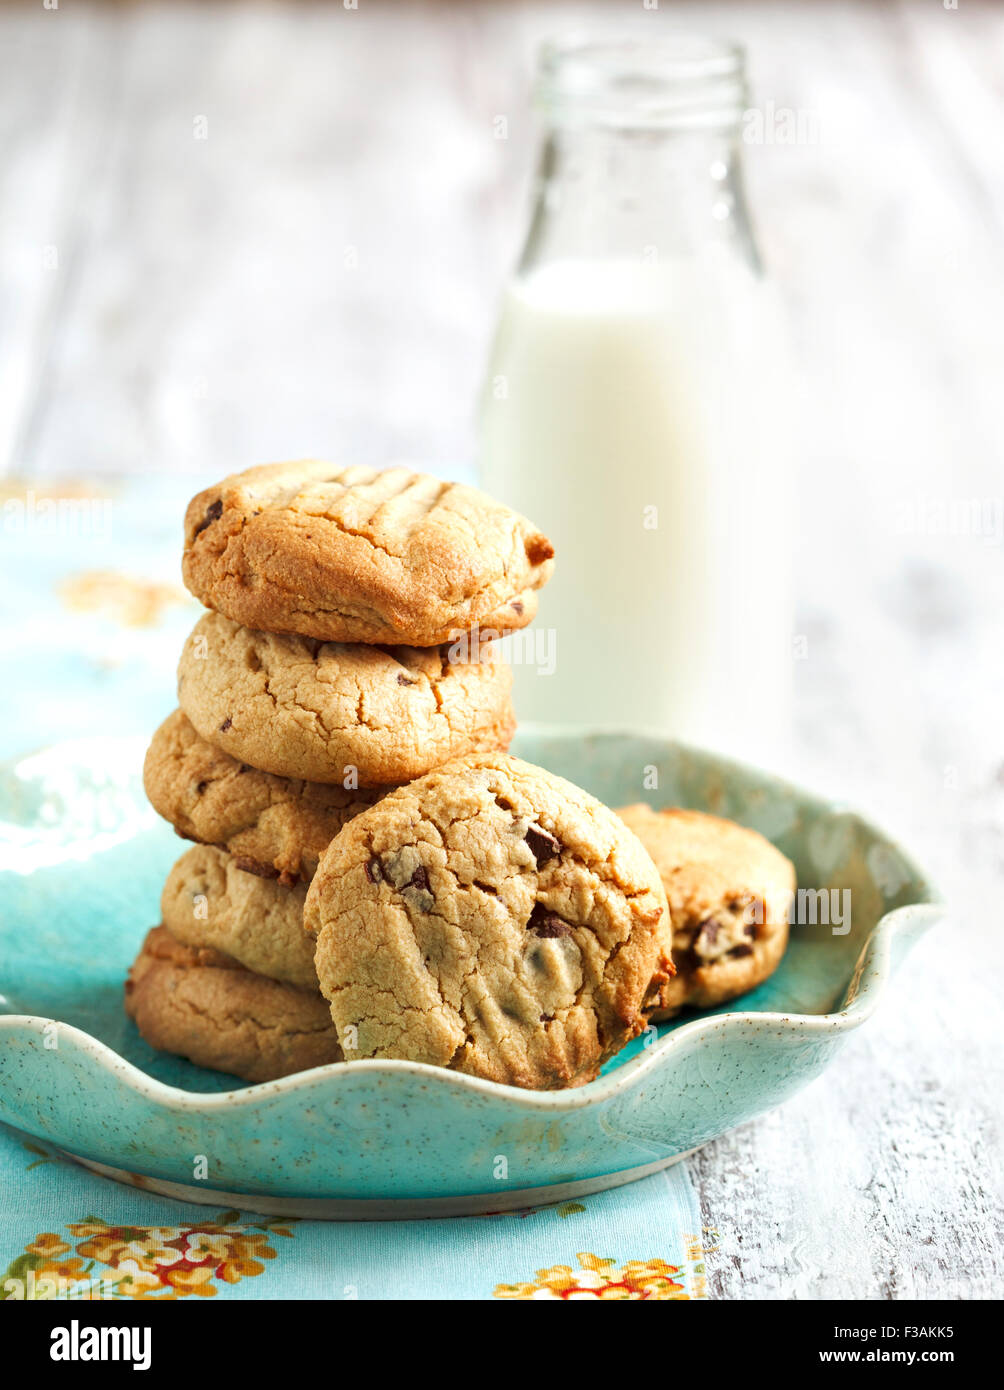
(743, 950)
(403, 680)
(750, 929)
(227, 724)
(547, 1018)
(516, 606)
(709, 929)
(543, 846)
(544, 922)
(419, 879)
(374, 870)
(213, 513)
(255, 866)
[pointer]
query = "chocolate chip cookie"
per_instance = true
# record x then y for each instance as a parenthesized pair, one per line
(340, 712)
(729, 893)
(201, 1004)
(274, 826)
(360, 555)
(208, 901)
(490, 918)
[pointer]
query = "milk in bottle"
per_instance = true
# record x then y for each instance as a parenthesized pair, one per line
(635, 407)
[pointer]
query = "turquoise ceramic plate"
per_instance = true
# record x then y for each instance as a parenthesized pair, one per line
(83, 860)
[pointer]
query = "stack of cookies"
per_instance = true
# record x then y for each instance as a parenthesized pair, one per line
(373, 875)
(349, 649)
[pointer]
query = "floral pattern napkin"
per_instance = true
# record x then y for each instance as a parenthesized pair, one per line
(68, 1234)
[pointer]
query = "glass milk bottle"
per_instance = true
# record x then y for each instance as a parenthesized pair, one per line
(634, 406)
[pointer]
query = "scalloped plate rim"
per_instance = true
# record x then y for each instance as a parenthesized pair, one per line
(875, 954)
(916, 918)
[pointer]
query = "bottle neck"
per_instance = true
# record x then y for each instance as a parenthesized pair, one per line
(605, 192)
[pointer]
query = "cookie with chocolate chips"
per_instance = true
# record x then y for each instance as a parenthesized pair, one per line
(729, 892)
(202, 1004)
(491, 918)
(362, 555)
(274, 826)
(338, 712)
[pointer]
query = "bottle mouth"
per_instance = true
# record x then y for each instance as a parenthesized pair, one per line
(675, 82)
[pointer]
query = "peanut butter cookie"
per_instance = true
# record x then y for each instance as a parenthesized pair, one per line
(491, 918)
(360, 555)
(208, 901)
(200, 1004)
(336, 712)
(729, 892)
(274, 826)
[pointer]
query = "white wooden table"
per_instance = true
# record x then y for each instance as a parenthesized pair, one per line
(241, 233)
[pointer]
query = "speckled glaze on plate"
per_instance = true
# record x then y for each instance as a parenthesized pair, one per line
(82, 860)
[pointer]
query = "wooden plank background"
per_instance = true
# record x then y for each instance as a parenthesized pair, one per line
(245, 232)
